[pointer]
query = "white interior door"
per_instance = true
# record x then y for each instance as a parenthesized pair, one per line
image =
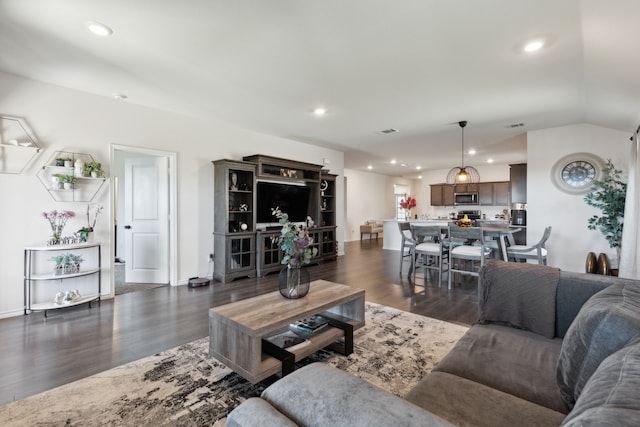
(146, 222)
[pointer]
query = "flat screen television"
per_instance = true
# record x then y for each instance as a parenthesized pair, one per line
(291, 199)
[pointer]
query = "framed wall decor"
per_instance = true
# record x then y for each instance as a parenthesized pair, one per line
(575, 173)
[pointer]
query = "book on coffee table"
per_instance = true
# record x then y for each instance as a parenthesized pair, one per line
(311, 324)
(287, 339)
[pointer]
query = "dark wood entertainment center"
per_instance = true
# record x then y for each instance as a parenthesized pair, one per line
(242, 247)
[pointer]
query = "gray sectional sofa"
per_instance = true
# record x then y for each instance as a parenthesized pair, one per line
(550, 348)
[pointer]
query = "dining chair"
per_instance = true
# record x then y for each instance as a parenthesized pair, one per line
(492, 237)
(407, 243)
(429, 251)
(474, 252)
(536, 252)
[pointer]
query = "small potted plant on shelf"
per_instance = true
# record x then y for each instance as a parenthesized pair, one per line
(93, 169)
(67, 181)
(67, 263)
(60, 161)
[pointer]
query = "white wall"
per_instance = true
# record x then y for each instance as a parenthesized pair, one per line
(546, 205)
(371, 196)
(67, 120)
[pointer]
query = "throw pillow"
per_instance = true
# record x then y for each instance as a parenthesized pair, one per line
(610, 397)
(607, 322)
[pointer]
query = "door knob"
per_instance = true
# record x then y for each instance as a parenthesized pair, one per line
(127, 227)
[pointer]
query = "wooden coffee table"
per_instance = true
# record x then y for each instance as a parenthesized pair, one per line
(237, 330)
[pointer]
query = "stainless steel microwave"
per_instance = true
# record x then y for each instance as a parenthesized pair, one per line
(465, 198)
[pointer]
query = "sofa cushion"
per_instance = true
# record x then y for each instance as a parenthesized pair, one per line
(519, 295)
(514, 361)
(467, 403)
(610, 397)
(255, 411)
(321, 395)
(607, 322)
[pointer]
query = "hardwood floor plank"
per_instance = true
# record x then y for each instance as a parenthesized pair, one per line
(38, 354)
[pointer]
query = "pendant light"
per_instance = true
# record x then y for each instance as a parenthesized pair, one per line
(463, 174)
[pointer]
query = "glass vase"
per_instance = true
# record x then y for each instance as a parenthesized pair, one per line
(293, 282)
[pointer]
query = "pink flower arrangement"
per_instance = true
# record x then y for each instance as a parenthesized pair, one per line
(57, 220)
(409, 203)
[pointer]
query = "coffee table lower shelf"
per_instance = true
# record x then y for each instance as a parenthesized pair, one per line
(285, 359)
(238, 331)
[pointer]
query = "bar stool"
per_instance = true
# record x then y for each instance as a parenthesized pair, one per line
(407, 243)
(476, 252)
(429, 251)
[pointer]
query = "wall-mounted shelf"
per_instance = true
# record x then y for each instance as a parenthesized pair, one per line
(83, 190)
(18, 145)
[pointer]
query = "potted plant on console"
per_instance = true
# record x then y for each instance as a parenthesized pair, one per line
(297, 246)
(85, 232)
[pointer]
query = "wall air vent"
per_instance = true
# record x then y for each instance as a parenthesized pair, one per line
(388, 131)
(514, 125)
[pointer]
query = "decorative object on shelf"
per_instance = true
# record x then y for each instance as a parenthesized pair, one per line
(609, 196)
(55, 182)
(78, 168)
(577, 173)
(59, 299)
(68, 162)
(233, 181)
(323, 186)
(407, 205)
(57, 220)
(297, 246)
(463, 174)
(93, 169)
(591, 266)
(67, 263)
(244, 207)
(60, 161)
(85, 232)
(66, 180)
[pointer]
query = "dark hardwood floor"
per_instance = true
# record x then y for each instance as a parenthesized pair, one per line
(38, 354)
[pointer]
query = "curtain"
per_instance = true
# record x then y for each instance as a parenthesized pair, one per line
(630, 256)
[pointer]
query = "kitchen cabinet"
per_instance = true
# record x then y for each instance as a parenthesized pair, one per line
(518, 180)
(489, 193)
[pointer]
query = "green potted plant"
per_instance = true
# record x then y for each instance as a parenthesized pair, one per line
(60, 161)
(609, 196)
(67, 180)
(93, 169)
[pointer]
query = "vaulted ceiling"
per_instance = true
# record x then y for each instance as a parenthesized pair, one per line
(418, 66)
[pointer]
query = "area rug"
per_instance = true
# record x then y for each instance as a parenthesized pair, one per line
(184, 387)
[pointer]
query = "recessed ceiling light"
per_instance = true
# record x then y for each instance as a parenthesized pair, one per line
(418, 167)
(533, 46)
(320, 111)
(404, 165)
(369, 167)
(471, 152)
(120, 96)
(394, 161)
(419, 176)
(99, 29)
(489, 160)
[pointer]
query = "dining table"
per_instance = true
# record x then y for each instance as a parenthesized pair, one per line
(502, 235)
